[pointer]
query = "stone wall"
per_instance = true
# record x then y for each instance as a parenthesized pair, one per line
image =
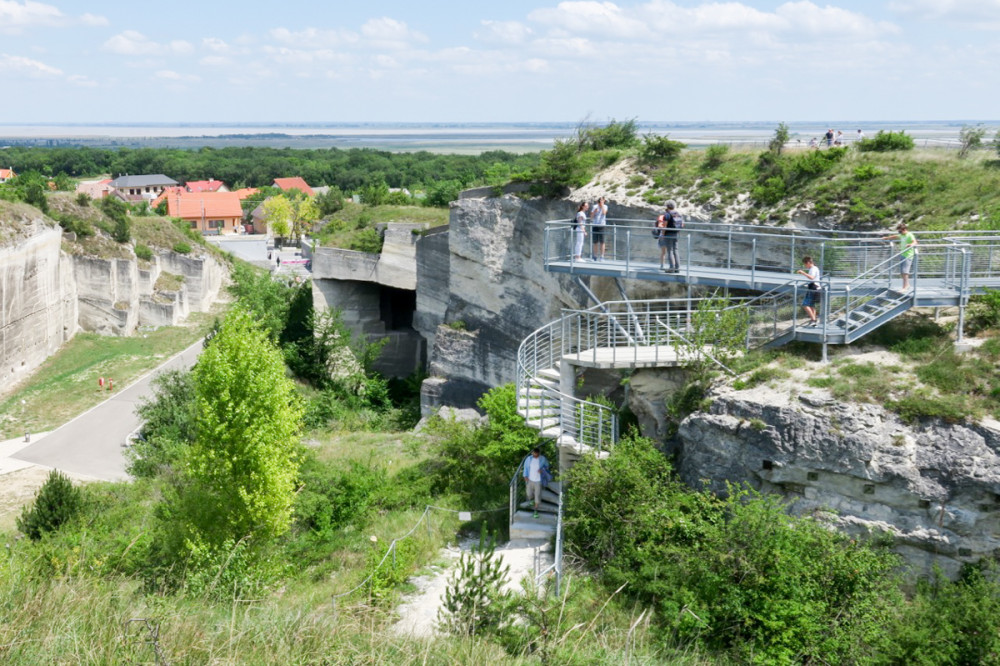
(38, 303)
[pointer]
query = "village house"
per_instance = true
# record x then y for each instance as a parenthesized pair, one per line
(7, 174)
(141, 188)
(294, 183)
(95, 189)
(211, 213)
(210, 185)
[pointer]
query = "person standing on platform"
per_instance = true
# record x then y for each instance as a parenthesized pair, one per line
(908, 250)
(598, 220)
(811, 300)
(580, 230)
(668, 226)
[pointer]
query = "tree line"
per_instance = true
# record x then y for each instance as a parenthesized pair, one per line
(350, 169)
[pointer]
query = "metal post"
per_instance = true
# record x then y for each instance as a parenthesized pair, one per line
(792, 258)
(822, 257)
(729, 249)
(628, 250)
(545, 245)
(753, 264)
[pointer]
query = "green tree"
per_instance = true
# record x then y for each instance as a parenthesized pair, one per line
(780, 138)
(238, 477)
(970, 138)
(306, 212)
(56, 502)
(280, 215)
(656, 149)
(330, 201)
(168, 424)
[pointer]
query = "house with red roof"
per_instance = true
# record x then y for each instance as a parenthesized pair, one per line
(246, 192)
(211, 213)
(210, 185)
(7, 174)
(294, 183)
(95, 189)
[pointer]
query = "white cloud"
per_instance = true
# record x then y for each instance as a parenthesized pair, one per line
(387, 33)
(170, 75)
(81, 81)
(983, 14)
(585, 16)
(314, 38)
(94, 20)
(17, 15)
(132, 42)
(22, 65)
(504, 32)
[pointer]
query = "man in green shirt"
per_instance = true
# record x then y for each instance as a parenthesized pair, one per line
(907, 248)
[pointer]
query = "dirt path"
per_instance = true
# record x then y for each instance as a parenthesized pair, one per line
(418, 612)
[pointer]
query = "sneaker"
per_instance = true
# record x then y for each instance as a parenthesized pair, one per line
(535, 515)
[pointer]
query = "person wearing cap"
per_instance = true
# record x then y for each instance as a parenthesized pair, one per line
(668, 225)
(908, 250)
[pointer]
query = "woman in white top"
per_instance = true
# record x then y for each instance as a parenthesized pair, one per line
(580, 231)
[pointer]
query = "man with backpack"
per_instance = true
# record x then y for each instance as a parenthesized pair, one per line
(667, 226)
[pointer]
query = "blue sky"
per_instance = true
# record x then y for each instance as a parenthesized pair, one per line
(513, 61)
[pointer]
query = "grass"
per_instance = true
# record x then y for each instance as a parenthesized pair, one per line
(927, 188)
(344, 226)
(66, 384)
(169, 282)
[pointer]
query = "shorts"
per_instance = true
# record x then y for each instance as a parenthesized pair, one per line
(598, 233)
(667, 241)
(906, 265)
(811, 298)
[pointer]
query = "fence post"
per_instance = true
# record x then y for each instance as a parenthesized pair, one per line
(753, 264)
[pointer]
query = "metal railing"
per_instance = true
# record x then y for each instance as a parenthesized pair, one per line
(757, 249)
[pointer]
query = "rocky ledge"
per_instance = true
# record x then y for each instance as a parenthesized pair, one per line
(933, 487)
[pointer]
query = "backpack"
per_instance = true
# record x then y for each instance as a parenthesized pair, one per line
(656, 227)
(675, 221)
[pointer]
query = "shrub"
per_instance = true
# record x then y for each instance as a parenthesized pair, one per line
(715, 155)
(56, 502)
(907, 185)
(613, 135)
(886, 141)
(739, 575)
(770, 192)
(366, 240)
(83, 199)
(143, 252)
(560, 167)
(657, 149)
(866, 172)
(168, 424)
(475, 600)
(984, 312)
(780, 138)
(180, 247)
(970, 137)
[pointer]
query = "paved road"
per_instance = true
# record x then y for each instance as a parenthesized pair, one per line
(91, 444)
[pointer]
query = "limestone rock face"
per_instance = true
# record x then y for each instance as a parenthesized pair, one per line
(497, 287)
(46, 295)
(38, 300)
(934, 487)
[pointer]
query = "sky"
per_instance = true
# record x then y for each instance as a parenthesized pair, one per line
(513, 61)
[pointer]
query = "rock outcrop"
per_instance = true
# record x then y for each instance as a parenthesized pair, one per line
(47, 294)
(482, 288)
(38, 299)
(934, 487)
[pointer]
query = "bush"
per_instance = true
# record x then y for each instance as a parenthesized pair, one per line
(780, 138)
(56, 502)
(738, 576)
(620, 135)
(181, 247)
(143, 252)
(83, 199)
(560, 168)
(970, 138)
(715, 155)
(770, 192)
(886, 141)
(367, 240)
(866, 172)
(168, 424)
(475, 601)
(656, 149)
(984, 311)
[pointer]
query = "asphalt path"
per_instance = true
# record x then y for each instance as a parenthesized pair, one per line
(92, 444)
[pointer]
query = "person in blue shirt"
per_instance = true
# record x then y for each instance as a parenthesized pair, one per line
(535, 470)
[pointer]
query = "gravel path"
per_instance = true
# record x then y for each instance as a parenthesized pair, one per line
(418, 612)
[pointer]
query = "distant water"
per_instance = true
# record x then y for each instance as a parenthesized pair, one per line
(438, 137)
